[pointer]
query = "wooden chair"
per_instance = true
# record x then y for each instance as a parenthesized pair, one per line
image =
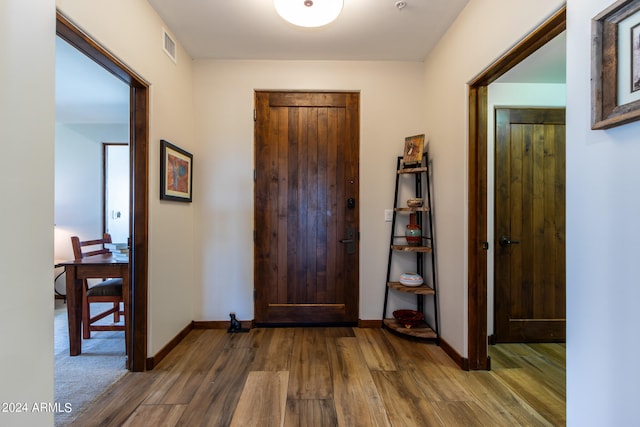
(109, 290)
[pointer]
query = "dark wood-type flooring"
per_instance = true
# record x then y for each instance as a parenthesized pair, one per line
(334, 377)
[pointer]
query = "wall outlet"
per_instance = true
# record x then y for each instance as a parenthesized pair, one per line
(388, 215)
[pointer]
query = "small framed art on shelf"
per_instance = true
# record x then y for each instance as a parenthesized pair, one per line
(413, 149)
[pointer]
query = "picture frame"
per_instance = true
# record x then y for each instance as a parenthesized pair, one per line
(413, 149)
(176, 173)
(615, 65)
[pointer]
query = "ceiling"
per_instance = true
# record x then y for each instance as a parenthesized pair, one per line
(86, 92)
(546, 65)
(365, 30)
(251, 29)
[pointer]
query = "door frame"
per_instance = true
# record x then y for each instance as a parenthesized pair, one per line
(478, 358)
(139, 194)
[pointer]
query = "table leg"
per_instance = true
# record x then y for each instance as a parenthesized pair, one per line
(74, 311)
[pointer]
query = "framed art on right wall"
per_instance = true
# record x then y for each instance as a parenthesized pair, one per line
(615, 65)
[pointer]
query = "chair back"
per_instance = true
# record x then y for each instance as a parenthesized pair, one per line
(89, 247)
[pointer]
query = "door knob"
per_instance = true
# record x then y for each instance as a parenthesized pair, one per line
(506, 241)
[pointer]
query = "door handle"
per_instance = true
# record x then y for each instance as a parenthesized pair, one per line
(350, 240)
(506, 241)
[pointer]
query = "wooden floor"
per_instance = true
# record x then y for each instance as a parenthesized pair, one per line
(334, 377)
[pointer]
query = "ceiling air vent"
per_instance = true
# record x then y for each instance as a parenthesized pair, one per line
(169, 45)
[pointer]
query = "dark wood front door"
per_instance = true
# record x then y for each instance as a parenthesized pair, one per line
(530, 225)
(306, 208)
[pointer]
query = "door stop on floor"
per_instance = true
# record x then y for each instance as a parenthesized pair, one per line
(235, 325)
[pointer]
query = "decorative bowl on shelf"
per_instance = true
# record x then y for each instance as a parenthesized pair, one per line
(411, 279)
(408, 318)
(415, 202)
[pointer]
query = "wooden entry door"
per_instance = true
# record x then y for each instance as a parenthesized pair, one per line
(530, 225)
(306, 208)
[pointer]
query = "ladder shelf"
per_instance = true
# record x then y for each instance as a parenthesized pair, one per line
(421, 252)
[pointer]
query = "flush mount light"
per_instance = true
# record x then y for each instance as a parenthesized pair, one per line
(309, 13)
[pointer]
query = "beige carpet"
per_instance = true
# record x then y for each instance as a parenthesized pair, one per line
(80, 379)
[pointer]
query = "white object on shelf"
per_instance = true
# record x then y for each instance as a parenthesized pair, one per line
(411, 279)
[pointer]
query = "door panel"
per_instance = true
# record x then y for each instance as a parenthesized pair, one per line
(530, 225)
(306, 171)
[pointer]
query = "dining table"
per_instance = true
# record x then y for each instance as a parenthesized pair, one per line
(100, 266)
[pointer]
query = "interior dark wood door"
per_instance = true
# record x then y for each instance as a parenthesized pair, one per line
(306, 208)
(530, 225)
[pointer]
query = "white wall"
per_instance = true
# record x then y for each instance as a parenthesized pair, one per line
(392, 107)
(509, 95)
(79, 180)
(603, 231)
(483, 31)
(132, 31)
(27, 31)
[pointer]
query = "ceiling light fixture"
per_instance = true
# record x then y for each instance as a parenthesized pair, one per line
(309, 13)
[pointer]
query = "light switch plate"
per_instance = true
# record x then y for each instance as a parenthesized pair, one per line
(388, 215)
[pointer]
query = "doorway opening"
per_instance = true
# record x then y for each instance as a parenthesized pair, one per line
(136, 345)
(478, 130)
(115, 194)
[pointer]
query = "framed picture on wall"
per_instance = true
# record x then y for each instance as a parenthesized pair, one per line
(176, 173)
(615, 69)
(635, 57)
